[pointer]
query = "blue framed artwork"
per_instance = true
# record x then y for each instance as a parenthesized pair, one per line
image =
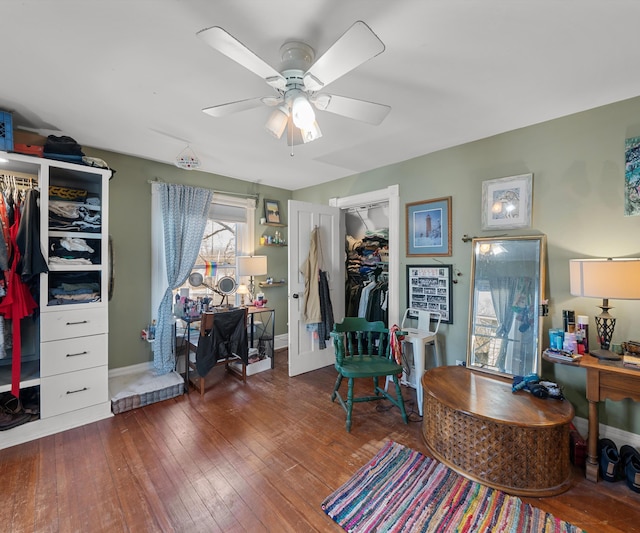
(429, 228)
(632, 177)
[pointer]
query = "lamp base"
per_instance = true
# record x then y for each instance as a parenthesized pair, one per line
(605, 354)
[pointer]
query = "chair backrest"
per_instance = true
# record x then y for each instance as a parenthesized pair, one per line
(207, 318)
(222, 335)
(357, 337)
(425, 319)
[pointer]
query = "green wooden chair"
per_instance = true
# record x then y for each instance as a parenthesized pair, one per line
(363, 351)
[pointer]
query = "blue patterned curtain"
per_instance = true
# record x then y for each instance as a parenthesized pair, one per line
(184, 216)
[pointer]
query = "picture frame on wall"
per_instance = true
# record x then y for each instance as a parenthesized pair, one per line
(507, 202)
(428, 227)
(632, 177)
(429, 288)
(272, 211)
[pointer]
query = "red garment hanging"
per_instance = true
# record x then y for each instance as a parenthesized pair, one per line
(17, 304)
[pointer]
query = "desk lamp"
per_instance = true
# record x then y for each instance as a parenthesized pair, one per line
(252, 265)
(243, 290)
(605, 278)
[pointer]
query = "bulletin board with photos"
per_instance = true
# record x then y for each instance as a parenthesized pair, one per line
(429, 288)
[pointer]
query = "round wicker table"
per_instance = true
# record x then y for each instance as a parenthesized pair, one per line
(514, 442)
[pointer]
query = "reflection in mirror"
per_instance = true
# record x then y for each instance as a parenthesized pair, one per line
(507, 288)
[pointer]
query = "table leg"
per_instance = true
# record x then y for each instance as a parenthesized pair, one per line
(592, 451)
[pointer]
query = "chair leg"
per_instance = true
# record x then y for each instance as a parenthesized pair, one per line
(400, 400)
(418, 359)
(335, 389)
(349, 404)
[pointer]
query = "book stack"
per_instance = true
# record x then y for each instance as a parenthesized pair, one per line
(631, 360)
(563, 355)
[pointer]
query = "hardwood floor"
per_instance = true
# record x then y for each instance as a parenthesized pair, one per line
(259, 456)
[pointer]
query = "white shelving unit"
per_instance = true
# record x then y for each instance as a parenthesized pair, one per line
(68, 358)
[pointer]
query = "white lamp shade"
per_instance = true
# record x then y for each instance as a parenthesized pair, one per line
(302, 112)
(312, 133)
(242, 289)
(618, 279)
(277, 123)
(252, 265)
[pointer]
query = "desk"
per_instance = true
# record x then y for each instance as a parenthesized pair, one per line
(606, 380)
(266, 333)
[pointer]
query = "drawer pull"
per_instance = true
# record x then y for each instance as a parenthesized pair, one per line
(74, 354)
(76, 323)
(79, 390)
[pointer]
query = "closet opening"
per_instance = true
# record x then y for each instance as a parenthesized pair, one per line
(367, 261)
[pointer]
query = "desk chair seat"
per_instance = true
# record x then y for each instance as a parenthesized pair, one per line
(223, 340)
(420, 337)
(363, 351)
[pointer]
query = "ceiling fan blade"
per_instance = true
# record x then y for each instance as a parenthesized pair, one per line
(228, 45)
(233, 107)
(356, 46)
(361, 110)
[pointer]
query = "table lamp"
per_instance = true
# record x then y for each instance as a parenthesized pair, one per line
(243, 290)
(605, 278)
(252, 265)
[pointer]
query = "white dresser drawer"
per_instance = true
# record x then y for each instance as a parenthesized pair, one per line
(73, 323)
(68, 392)
(69, 355)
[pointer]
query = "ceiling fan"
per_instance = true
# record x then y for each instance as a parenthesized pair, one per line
(300, 80)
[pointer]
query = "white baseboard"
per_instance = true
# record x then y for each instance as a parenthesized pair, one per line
(131, 369)
(281, 341)
(618, 436)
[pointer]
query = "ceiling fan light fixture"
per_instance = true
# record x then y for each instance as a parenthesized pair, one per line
(311, 134)
(302, 112)
(277, 122)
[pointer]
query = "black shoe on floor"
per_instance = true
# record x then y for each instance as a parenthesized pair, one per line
(609, 460)
(630, 460)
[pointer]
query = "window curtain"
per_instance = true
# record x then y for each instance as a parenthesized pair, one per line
(184, 216)
(503, 292)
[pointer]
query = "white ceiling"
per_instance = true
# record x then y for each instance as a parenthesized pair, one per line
(131, 76)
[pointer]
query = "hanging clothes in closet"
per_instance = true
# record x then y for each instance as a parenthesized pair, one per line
(20, 219)
(366, 287)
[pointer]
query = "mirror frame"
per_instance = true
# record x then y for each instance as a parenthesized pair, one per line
(537, 312)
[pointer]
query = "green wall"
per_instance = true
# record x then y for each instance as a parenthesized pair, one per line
(130, 227)
(578, 168)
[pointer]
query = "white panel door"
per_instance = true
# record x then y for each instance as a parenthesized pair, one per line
(305, 353)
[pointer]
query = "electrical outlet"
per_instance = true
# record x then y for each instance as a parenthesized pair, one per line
(460, 362)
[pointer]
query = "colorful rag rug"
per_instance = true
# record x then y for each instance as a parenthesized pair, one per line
(403, 490)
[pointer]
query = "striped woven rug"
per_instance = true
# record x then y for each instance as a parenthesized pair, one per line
(403, 490)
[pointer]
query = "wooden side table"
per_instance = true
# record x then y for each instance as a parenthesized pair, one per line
(606, 380)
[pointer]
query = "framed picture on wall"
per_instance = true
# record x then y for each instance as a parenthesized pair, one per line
(429, 227)
(632, 177)
(429, 288)
(506, 202)
(272, 211)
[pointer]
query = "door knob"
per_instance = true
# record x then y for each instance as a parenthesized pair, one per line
(295, 295)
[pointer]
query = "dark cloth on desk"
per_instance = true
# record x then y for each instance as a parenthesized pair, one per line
(227, 337)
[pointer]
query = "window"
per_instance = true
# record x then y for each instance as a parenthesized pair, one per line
(229, 232)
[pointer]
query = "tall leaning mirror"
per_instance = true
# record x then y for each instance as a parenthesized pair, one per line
(507, 288)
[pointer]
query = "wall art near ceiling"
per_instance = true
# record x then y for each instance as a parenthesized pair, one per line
(632, 177)
(506, 202)
(272, 211)
(429, 288)
(429, 227)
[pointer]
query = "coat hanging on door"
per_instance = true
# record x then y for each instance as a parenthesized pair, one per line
(317, 308)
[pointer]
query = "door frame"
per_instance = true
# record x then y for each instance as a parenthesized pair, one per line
(391, 196)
